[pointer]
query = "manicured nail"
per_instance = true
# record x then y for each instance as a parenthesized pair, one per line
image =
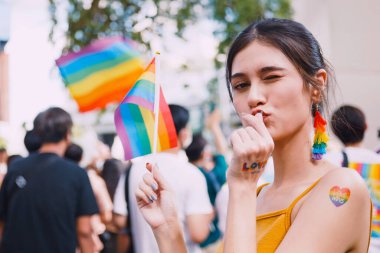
(153, 197)
(154, 186)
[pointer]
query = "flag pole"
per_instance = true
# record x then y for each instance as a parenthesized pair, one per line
(157, 89)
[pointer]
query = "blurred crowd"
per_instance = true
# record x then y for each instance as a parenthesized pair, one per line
(51, 202)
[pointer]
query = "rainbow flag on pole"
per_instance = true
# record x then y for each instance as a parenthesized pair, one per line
(134, 118)
(100, 73)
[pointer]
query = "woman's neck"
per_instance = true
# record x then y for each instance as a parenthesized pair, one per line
(292, 159)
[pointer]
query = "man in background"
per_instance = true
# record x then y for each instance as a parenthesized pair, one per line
(46, 202)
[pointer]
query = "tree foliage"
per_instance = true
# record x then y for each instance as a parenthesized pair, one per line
(87, 20)
(82, 21)
(235, 15)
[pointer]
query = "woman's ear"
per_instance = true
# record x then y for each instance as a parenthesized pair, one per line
(321, 78)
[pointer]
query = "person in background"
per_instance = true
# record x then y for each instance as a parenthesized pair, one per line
(75, 153)
(46, 202)
(3, 163)
(195, 209)
(213, 167)
(349, 124)
(32, 141)
(12, 159)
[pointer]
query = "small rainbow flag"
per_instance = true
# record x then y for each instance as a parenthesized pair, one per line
(371, 175)
(134, 118)
(100, 73)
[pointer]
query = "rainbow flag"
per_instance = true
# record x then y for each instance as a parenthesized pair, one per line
(371, 175)
(100, 73)
(134, 118)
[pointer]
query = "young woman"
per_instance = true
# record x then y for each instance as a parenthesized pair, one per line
(278, 80)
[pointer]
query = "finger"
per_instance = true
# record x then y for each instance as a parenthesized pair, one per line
(261, 147)
(244, 136)
(235, 139)
(148, 191)
(141, 196)
(256, 122)
(149, 180)
(160, 180)
(261, 129)
(253, 134)
(253, 145)
(236, 143)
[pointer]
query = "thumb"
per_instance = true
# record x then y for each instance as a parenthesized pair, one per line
(162, 183)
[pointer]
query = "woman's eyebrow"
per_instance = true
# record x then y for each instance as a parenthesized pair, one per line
(237, 75)
(267, 69)
(261, 71)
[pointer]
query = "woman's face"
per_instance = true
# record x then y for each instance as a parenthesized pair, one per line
(263, 79)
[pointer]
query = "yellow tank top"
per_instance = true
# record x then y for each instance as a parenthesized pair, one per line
(272, 227)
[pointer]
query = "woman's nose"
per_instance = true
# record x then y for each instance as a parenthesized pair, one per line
(256, 96)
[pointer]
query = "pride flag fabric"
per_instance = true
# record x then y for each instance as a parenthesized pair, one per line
(134, 118)
(371, 174)
(100, 73)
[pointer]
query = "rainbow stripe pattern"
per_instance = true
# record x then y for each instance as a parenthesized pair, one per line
(134, 118)
(320, 137)
(371, 174)
(100, 73)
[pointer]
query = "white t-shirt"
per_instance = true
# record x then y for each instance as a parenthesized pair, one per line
(354, 154)
(190, 189)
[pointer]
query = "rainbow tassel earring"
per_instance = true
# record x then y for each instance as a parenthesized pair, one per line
(320, 136)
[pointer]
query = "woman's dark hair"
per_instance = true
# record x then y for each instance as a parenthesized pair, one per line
(180, 116)
(195, 149)
(348, 124)
(112, 170)
(74, 153)
(294, 41)
(52, 125)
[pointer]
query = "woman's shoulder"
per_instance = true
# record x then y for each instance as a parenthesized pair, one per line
(343, 176)
(342, 185)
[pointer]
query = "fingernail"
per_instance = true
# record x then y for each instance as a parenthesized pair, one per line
(153, 197)
(154, 186)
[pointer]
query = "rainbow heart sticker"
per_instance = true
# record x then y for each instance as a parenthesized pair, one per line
(339, 196)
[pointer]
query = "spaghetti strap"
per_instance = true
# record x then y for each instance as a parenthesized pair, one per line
(260, 188)
(303, 194)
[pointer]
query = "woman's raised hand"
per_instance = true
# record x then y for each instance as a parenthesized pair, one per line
(156, 200)
(252, 145)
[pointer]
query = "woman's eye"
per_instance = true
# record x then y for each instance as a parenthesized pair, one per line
(240, 86)
(271, 77)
